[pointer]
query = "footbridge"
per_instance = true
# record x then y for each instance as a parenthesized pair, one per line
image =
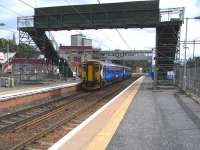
(136, 14)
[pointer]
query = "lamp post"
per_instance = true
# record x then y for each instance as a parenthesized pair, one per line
(185, 47)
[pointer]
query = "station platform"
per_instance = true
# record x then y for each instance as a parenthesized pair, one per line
(24, 94)
(139, 118)
(6, 93)
(163, 119)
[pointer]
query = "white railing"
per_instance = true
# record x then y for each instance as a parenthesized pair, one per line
(52, 39)
(25, 21)
(172, 14)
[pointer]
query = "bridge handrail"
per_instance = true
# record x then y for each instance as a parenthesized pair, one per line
(25, 21)
(52, 40)
(28, 21)
(172, 14)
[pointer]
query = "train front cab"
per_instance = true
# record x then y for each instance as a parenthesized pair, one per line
(90, 75)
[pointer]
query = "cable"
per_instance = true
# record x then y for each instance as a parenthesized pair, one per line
(13, 12)
(121, 36)
(101, 43)
(14, 30)
(33, 8)
(26, 4)
(197, 38)
(108, 38)
(123, 39)
(97, 41)
(42, 12)
(78, 12)
(99, 1)
(10, 10)
(7, 29)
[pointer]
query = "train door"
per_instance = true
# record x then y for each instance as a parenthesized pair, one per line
(97, 72)
(90, 72)
(83, 72)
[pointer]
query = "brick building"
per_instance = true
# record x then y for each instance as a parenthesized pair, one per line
(76, 54)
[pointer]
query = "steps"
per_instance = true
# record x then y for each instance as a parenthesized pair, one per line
(47, 48)
(167, 38)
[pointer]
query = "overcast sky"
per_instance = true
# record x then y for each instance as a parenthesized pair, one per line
(106, 39)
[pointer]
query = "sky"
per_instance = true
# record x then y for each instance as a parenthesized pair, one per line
(138, 39)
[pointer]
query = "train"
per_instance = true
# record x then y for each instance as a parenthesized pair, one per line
(96, 74)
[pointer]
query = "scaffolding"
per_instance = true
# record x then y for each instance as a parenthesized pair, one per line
(168, 44)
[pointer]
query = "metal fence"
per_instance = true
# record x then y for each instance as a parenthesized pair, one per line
(192, 77)
(30, 78)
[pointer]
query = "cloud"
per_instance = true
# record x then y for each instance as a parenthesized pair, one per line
(107, 39)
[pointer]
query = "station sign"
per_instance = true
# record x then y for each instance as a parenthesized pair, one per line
(126, 55)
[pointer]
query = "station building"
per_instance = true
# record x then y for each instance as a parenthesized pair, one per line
(76, 54)
(81, 49)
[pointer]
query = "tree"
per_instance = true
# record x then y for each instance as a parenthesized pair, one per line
(4, 43)
(193, 61)
(22, 50)
(26, 51)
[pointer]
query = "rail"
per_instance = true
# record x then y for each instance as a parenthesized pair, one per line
(172, 14)
(166, 14)
(28, 22)
(52, 39)
(25, 21)
(52, 120)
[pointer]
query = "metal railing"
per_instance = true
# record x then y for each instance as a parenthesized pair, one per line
(192, 77)
(172, 14)
(25, 21)
(52, 39)
(28, 21)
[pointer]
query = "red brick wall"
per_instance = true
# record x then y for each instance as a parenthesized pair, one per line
(40, 96)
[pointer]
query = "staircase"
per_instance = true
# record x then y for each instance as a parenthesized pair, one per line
(167, 38)
(46, 46)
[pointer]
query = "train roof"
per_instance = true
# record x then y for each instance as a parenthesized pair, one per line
(106, 63)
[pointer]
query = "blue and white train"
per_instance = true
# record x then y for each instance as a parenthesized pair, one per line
(97, 74)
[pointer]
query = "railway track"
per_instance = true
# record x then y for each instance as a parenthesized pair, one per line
(36, 132)
(16, 119)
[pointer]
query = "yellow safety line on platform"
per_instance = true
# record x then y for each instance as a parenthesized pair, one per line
(102, 139)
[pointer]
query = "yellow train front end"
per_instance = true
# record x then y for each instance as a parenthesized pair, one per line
(91, 75)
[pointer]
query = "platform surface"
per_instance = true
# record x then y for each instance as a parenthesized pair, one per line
(163, 119)
(96, 131)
